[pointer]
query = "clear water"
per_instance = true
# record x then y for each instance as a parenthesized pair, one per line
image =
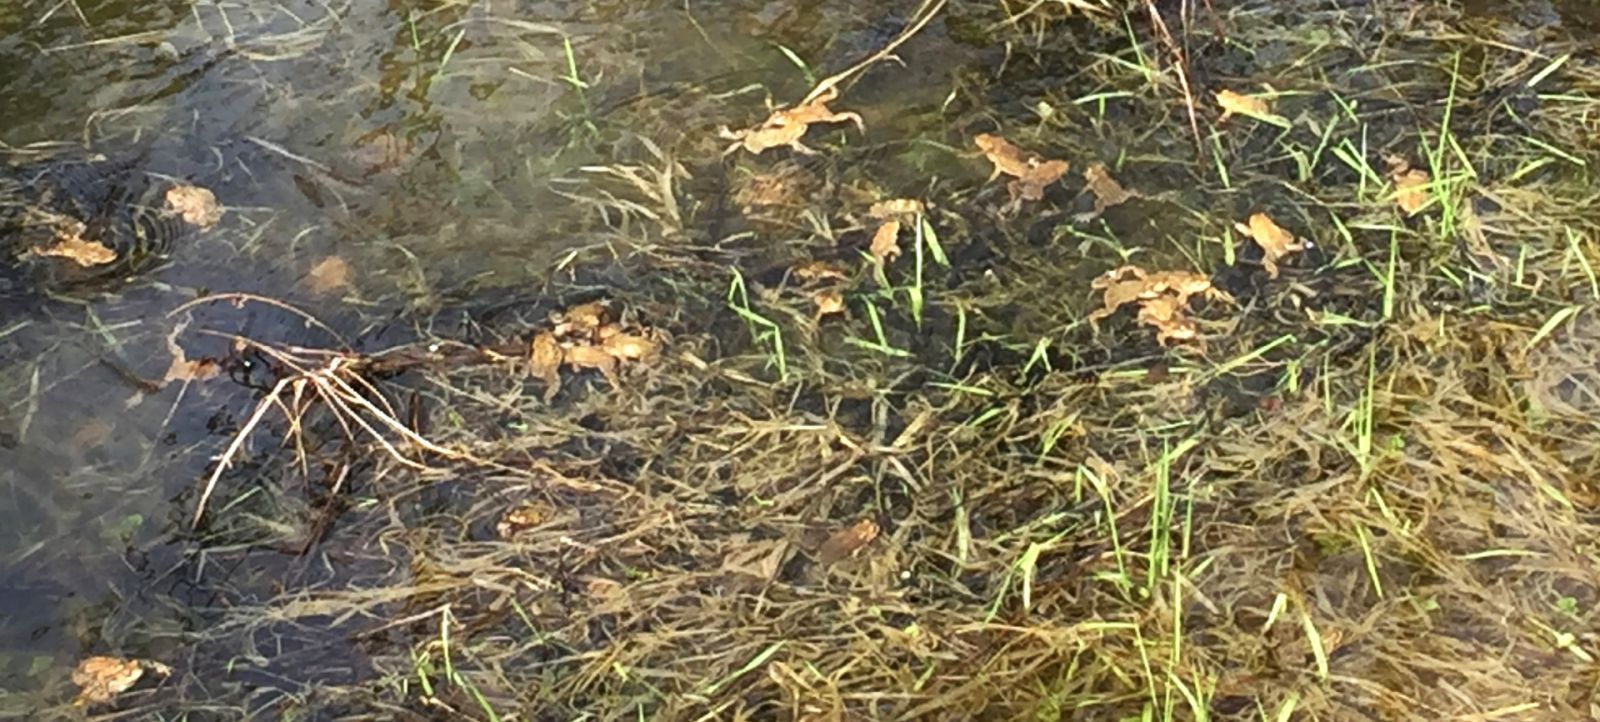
(430, 146)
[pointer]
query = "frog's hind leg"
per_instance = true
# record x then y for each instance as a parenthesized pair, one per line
(846, 116)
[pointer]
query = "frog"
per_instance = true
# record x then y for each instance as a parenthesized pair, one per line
(593, 357)
(582, 319)
(102, 678)
(544, 361)
(1275, 242)
(1187, 284)
(1031, 174)
(1128, 284)
(1165, 313)
(522, 518)
(818, 271)
(631, 347)
(786, 126)
(829, 302)
(1106, 190)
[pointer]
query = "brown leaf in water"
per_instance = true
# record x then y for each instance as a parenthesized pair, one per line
(195, 205)
(886, 242)
(69, 244)
(330, 274)
(847, 541)
(182, 368)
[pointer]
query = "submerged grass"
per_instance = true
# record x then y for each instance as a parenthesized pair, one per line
(1371, 495)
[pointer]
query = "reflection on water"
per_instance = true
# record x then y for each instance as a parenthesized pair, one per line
(423, 145)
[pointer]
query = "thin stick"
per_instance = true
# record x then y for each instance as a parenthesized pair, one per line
(233, 448)
(240, 296)
(929, 9)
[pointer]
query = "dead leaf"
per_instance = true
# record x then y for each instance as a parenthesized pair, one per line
(195, 205)
(182, 368)
(847, 541)
(886, 242)
(330, 274)
(69, 244)
(759, 559)
(103, 678)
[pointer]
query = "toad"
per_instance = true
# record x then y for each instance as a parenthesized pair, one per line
(829, 302)
(1165, 313)
(1120, 290)
(582, 319)
(102, 678)
(786, 126)
(1275, 242)
(1106, 190)
(1030, 173)
(631, 347)
(593, 357)
(544, 362)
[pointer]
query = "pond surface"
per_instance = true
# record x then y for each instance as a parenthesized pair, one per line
(429, 148)
(387, 162)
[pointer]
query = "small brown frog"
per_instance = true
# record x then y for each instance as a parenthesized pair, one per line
(582, 319)
(631, 347)
(1187, 284)
(1120, 290)
(786, 126)
(1275, 242)
(544, 362)
(103, 678)
(816, 271)
(522, 518)
(847, 541)
(885, 245)
(1106, 190)
(829, 301)
(594, 357)
(1165, 313)
(1030, 173)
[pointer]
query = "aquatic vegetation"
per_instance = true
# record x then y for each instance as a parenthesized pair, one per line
(817, 434)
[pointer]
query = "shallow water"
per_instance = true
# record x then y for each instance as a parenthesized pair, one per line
(427, 146)
(444, 153)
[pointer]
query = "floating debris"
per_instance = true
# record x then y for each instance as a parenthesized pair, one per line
(70, 244)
